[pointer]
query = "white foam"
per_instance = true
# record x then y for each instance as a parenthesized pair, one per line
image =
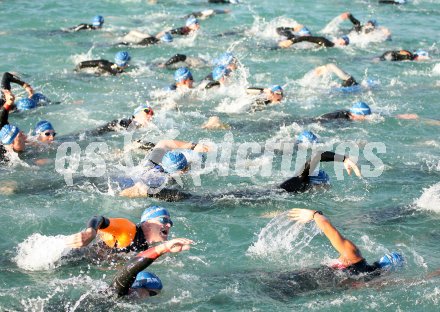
(39, 252)
(436, 70)
(430, 199)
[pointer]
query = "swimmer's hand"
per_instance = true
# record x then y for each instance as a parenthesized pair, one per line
(407, 116)
(285, 43)
(301, 215)
(174, 245)
(81, 239)
(345, 15)
(350, 165)
(9, 97)
(28, 89)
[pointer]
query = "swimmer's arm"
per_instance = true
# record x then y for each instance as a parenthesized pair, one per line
(175, 144)
(429, 121)
(176, 59)
(8, 78)
(332, 68)
(84, 238)
(254, 91)
(126, 276)
(137, 190)
(330, 156)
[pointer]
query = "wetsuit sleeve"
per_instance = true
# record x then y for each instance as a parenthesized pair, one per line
(148, 146)
(318, 40)
(330, 156)
(344, 114)
(179, 31)
(8, 78)
(3, 152)
(148, 41)
(219, 1)
(101, 64)
(81, 27)
(110, 127)
(299, 183)
(176, 59)
(286, 32)
(127, 275)
(212, 84)
(402, 55)
(4, 113)
(356, 23)
(98, 223)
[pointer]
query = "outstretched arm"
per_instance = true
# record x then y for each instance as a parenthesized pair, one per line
(127, 275)
(84, 238)
(8, 78)
(348, 251)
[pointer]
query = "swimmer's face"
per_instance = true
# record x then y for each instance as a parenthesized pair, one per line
(19, 142)
(232, 66)
(188, 83)
(47, 136)
(275, 97)
(358, 117)
(194, 27)
(144, 117)
(156, 231)
(340, 42)
(141, 293)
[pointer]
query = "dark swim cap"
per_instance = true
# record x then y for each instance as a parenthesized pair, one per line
(148, 281)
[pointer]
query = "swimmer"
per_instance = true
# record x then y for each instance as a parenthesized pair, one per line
(369, 26)
(135, 37)
(97, 23)
(227, 60)
(132, 280)
(392, 1)
(347, 80)
(182, 60)
(12, 141)
(220, 76)
(267, 96)
(163, 163)
(7, 79)
(44, 132)
(321, 41)
(310, 176)
(142, 116)
(405, 55)
(191, 26)
(183, 80)
(122, 235)
(207, 13)
(350, 260)
(122, 59)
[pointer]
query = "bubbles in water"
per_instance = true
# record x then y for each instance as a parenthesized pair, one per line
(39, 252)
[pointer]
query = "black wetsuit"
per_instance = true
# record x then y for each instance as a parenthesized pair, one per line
(84, 27)
(260, 102)
(176, 59)
(389, 2)
(144, 42)
(139, 242)
(212, 84)
(322, 41)
(7, 79)
(357, 25)
(302, 183)
(125, 278)
(183, 31)
(103, 66)
(341, 114)
(219, 1)
(286, 32)
(401, 55)
(124, 123)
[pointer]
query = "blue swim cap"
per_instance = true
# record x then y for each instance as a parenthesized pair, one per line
(8, 134)
(346, 39)
(167, 37)
(98, 20)
(225, 59)
(276, 89)
(392, 260)
(360, 109)
(25, 104)
(191, 21)
(307, 137)
(39, 98)
(149, 281)
(421, 52)
(304, 32)
(174, 161)
(154, 212)
(182, 73)
(321, 178)
(219, 72)
(42, 126)
(122, 58)
(141, 108)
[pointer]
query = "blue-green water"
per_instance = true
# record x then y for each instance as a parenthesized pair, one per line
(237, 242)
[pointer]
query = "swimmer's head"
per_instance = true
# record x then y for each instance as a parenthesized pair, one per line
(155, 213)
(166, 37)
(25, 104)
(122, 58)
(343, 41)
(321, 178)
(183, 76)
(360, 109)
(149, 282)
(156, 224)
(391, 261)
(97, 21)
(421, 55)
(174, 161)
(372, 23)
(44, 131)
(304, 32)
(219, 73)
(192, 23)
(12, 136)
(226, 59)
(39, 98)
(276, 94)
(143, 113)
(307, 137)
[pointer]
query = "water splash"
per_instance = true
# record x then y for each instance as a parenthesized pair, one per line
(430, 199)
